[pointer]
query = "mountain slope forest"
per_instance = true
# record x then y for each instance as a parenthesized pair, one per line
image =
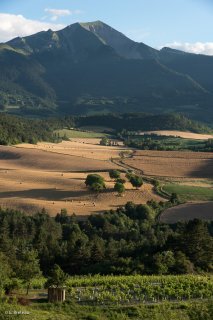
(16, 129)
(90, 68)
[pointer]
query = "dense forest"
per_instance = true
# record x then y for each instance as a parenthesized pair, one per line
(144, 122)
(15, 129)
(129, 240)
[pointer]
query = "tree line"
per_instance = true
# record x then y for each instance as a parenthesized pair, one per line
(164, 143)
(129, 240)
(15, 129)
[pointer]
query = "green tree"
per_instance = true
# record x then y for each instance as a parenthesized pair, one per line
(94, 178)
(5, 272)
(97, 187)
(114, 174)
(104, 141)
(121, 180)
(57, 277)
(197, 244)
(119, 187)
(182, 264)
(174, 199)
(136, 181)
(95, 182)
(163, 262)
(28, 267)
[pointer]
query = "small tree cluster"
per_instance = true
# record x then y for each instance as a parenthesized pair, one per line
(119, 188)
(95, 182)
(114, 174)
(135, 180)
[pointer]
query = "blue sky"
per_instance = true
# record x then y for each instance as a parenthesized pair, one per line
(185, 24)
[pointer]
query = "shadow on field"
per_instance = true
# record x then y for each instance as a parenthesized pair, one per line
(205, 170)
(45, 194)
(7, 155)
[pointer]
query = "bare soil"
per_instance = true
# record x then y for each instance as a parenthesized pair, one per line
(52, 176)
(186, 135)
(188, 211)
(173, 164)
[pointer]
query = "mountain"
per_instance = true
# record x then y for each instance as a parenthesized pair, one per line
(92, 68)
(123, 46)
(199, 67)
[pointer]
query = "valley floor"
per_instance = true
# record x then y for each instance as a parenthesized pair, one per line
(52, 176)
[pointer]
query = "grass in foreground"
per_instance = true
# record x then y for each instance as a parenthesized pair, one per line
(195, 310)
(189, 297)
(189, 193)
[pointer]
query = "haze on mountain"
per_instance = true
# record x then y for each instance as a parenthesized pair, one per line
(91, 67)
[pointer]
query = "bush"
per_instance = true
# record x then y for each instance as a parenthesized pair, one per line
(119, 187)
(136, 181)
(97, 187)
(174, 199)
(121, 180)
(95, 182)
(114, 174)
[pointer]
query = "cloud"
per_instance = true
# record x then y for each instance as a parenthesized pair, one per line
(12, 26)
(56, 13)
(197, 47)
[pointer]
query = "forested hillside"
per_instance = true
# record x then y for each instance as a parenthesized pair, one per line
(15, 129)
(126, 241)
(144, 122)
(92, 68)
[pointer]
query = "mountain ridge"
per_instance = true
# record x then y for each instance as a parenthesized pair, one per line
(91, 67)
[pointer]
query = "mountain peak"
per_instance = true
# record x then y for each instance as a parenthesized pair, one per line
(92, 24)
(123, 46)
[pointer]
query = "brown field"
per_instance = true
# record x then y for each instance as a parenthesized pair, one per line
(173, 164)
(188, 211)
(186, 135)
(85, 148)
(52, 176)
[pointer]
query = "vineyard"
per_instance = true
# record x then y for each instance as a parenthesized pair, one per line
(139, 289)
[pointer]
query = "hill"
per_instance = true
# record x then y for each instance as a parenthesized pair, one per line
(144, 122)
(90, 67)
(14, 129)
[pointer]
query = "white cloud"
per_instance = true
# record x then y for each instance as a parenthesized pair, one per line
(12, 26)
(197, 47)
(56, 13)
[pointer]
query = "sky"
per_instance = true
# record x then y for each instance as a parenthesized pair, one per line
(183, 24)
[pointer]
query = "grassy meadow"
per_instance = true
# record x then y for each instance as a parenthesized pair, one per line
(69, 133)
(189, 193)
(195, 310)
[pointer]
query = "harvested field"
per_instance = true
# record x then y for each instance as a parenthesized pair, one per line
(181, 134)
(188, 211)
(173, 164)
(33, 179)
(52, 161)
(85, 148)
